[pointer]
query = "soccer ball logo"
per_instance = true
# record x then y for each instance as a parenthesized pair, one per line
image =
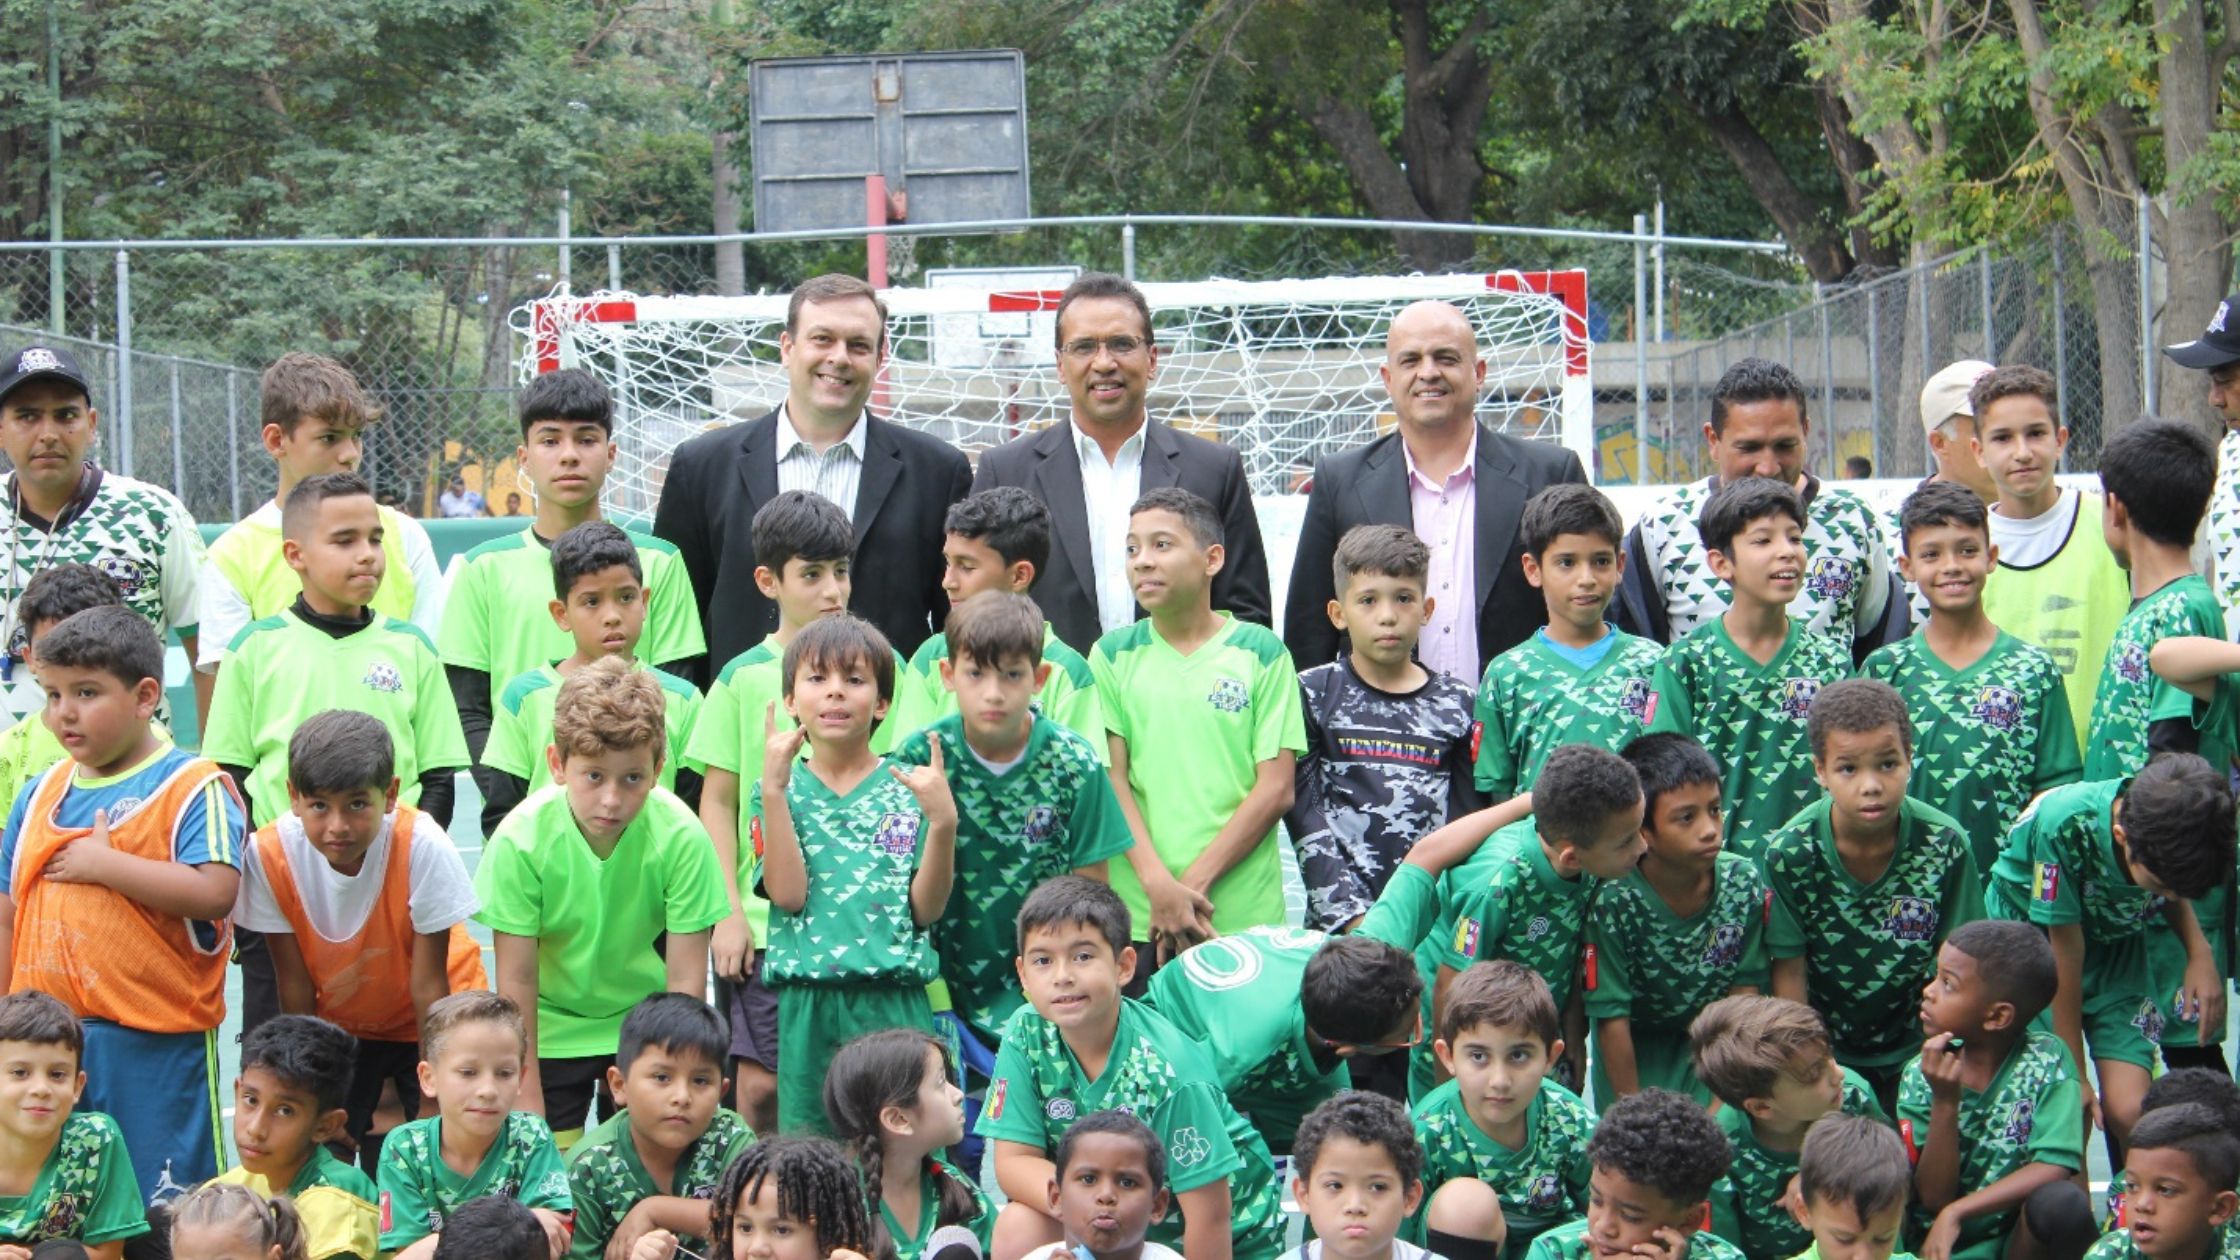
(1537, 928)
(1910, 919)
(129, 577)
(2020, 1121)
(1634, 700)
(2131, 664)
(897, 834)
(1999, 708)
(1041, 824)
(2149, 1021)
(1546, 1194)
(1831, 578)
(384, 677)
(1229, 696)
(41, 359)
(1796, 697)
(1725, 946)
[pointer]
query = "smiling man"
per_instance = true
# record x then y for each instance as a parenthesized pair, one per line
(895, 484)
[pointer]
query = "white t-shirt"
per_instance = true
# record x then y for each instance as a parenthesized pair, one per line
(1151, 1251)
(2028, 544)
(337, 904)
(1402, 1249)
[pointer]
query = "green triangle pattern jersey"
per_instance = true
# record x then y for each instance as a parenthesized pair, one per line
(1649, 965)
(1542, 1184)
(1571, 1243)
(137, 534)
(1747, 1209)
(1751, 718)
(1049, 814)
(2223, 526)
(1846, 572)
(2131, 697)
(606, 1178)
(2031, 1113)
(2060, 866)
(1986, 738)
(1532, 701)
(419, 1191)
(861, 851)
(1869, 947)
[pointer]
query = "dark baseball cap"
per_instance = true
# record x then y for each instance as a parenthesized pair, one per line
(45, 363)
(2217, 346)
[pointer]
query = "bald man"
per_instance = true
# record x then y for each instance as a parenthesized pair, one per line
(1459, 486)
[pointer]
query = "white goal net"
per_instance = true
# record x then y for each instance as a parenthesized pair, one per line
(1284, 370)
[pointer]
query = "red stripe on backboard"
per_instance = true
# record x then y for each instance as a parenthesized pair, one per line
(1567, 287)
(1026, 300)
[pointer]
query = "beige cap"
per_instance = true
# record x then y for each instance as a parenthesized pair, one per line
(1946, 394)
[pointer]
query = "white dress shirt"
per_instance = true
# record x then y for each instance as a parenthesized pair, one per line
(1110, 487)
(835, 474)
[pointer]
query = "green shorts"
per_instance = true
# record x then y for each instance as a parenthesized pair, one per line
(1662, 1058)
(2122, 1023)
(2166, 959)
(815, 1020)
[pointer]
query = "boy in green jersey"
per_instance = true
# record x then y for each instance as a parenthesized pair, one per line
(2158, 476)
(1287, 1013)
(1577, 680)
(1657, 1157)
(476, 1144)
(655, 1162)
(1205, 736)
(1684, 928)
(1080, 1047)
(71, 1166)
(585, 878)
(998, 540)
(494, 626)
(331, 650)
(1866, 883)
(2093, 864)
(1033, 801)
(28, 748)
(803, 549)
(1990, 1111)
(288, 1103)
(1853, 1183)
(601, 603)
(856, 854)
(314, 416)
(1743, 683)
(1990, 712)
(1502, 1121)
(1527, 900)
(2180, 1175)
(1768, 1061)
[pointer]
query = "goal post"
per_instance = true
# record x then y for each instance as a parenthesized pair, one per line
(1284, 370)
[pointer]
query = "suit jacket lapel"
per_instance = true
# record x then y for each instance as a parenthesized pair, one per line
(882, 464)
(1383, 487)
(1500, 509)
(758, 460)
(1162, 457)
(1057, 477)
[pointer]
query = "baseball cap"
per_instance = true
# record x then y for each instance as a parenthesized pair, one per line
(40, 363)
(2216, 346)
(1946, 393)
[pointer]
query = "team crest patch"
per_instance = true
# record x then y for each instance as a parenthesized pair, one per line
(1831, 578)
(1061, 1109)
(1189, 1147)
(1637, 701)
(897, 834)
(2045, 882)
(41, 359)
(383, 677)
(1466, 937)
(995, 1104)
(1999, 708)
(1229, 696)
(124, 809)
(65, 1214)
(1041, 824)
(1910, 919)
(130, 578)
(1796, 697)
(2149, 1021)
(1546, 1194)
(2131, 663)
(1538, 928)
(1725, 947)
(2020, 1121)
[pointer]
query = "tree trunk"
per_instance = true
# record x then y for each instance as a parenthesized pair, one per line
(2196, 236)
(1390, 191)
(1820, 250)
(731, 256)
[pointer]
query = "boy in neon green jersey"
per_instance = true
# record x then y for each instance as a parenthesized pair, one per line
(1742, 683)
(1990, 712)
(601, 603)
(1577, 680)
(314, 419)
(494, 626)
(331, 650)
(1206, 731)
(584, 877)
(998, 540)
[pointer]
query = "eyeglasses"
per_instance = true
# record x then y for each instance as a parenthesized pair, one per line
(1414, 1039)
(1117, 347)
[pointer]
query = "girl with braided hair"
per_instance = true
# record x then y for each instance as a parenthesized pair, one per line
(891, 1098)
(784, 1198)
(222, 1219)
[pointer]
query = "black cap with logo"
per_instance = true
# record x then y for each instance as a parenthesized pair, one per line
(48, 363)
(2216, 346)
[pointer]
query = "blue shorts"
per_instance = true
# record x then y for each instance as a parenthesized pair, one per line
(162, 1090)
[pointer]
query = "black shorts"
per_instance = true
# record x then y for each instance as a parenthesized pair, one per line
(381, 1063)
(569, 1086)
(754, 1019)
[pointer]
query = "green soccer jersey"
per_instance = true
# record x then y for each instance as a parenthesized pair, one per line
(85, 1190)
(1747, 1208)
(1165, 1079)
(419, 1191)
(284, 669)
(595, 920)
(1238, 996)
(1752, 719)
(1050, 812)
(606, 1178)
(495, 616)
(2118, 1245)
(1533, 700)
(2060, 866)
(910, 1243)
(1986, 738)
(1571, 1243)
(1869, 947)
(1542, 1183)
(2032, 1113)
(1197, 728)
(1523, 910)
(2131, 697)
(521, 726)
(1068, 696)
(1658, 970)
(861, 850)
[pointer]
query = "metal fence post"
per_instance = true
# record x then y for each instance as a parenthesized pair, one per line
(1827, 358)
(2060, 336)
(614, 268)
(124, 362)
(1990, 336)
(2146, 311)
(233, 441)
(1128, 250)
(178, 438)
(1640, 356)
(566, 199)
(1874, 377)
(1657, 329)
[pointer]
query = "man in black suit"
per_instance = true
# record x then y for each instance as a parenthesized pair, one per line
(896, 484)
(1090, 467)
(1459, 486)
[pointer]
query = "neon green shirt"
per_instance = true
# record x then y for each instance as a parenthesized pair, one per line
(521, 726)
(1068, 696)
